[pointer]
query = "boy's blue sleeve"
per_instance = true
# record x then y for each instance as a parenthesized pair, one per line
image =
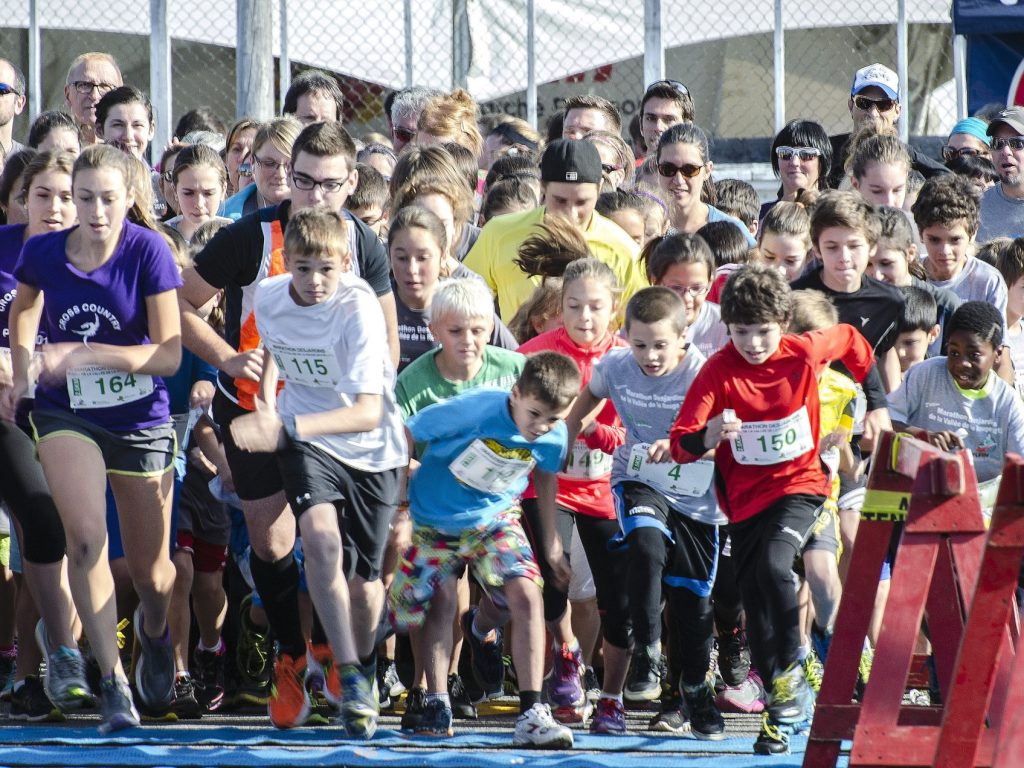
(555, 448)
(203, 371)
(443, 420)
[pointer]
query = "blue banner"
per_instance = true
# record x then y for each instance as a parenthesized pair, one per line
(995, 66)
(982, 17)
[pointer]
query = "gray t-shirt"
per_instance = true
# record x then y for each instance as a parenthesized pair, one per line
(978, 281)
(990, 426)
(1000, 215)
(647, 406)
(708, 333)
(1015, 341)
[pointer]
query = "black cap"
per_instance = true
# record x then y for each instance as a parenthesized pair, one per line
(573, 160)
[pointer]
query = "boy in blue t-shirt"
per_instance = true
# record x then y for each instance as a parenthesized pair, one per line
(481, 448)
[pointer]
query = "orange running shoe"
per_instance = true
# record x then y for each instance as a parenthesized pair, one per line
(322, 673)
(289, 703)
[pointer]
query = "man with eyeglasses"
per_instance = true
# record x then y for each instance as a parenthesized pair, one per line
(405, 113)
(875, 99)
(90, 77)
(1002, 206)
(323, 174)
(664, 104)
(12, 102)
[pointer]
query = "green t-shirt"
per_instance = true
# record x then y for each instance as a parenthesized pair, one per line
(421, 383)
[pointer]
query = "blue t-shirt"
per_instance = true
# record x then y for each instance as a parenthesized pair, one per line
(475, 428)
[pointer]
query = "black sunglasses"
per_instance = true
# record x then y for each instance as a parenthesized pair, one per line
(864, 104)
(675, 85)
(689, 171)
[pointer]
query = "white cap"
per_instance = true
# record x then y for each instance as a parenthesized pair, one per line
(876, 74)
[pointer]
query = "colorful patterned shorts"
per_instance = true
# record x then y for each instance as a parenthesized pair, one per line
(496, 552)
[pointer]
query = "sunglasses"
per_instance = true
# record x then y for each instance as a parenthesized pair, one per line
(864, 104)
(673, 84)
(689, 171)
(6, 89)
(1016, 143)
(950, 153)
(801, 153)
(404, 134)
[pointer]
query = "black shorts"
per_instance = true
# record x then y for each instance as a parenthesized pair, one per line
(365, 502)
(199, 513)
(693, 545)
(255, 474)
(789, 517)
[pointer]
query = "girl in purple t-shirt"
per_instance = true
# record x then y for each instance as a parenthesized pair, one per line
(111, 314)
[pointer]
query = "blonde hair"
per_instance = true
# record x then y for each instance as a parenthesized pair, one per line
(811, 311)
(316, 231)
(453, 116)
(136, 176)
(281, 132)
(463, 297)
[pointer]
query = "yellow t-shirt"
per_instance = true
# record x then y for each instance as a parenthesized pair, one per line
(836, 393)
(494, 254)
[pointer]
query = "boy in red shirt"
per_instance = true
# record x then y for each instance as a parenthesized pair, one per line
(755, 403)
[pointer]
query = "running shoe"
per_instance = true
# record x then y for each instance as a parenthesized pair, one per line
(673, 716)
(609, 717)
(359, 703)
(289, 703)
(29, 702)
(733, 657)
(253, 657)
(772, 739)
(791, 696)
(814, 671)
(706, 722)
(746, 698)
(645, 675)
(487, 662)
(461, 705)
(389, 686)
(538, 729)
(565, 684)
(209, 679)
(322, 673)
(154, 671)
(436, 719)
(415, 702)
(185, 705)
(64, 677)
(116, 708)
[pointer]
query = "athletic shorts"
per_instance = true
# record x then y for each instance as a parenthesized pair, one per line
(140, 453)
(825, 533)
(365, 501)
(495, 553)
(255, 474)
(693, 545)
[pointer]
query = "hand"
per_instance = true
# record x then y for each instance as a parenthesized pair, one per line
(401, 529)
(659, 452)
(245, 365)
(718, 429)
(259, 432)
(947, 441)
(875, 422)
(201, 396)
(55, 359)
(227, 480)
(9, 399)
(833, 440)
(560, 570)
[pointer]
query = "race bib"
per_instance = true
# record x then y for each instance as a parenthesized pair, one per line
(587, 464)
(312, 366)
(692, 479)
(479, 467)
(93, 386)
(773, 442)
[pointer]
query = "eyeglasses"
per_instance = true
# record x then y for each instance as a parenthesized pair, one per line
(689, 171)
(801, 153)
(1016, 143)
(675, 85)
(692, 290)
(864, 104)
(609, 169)
(271, 165)
(330, 186)
(86, 86)
(404, 134)
(950, 153)
(6, 89)
(167, 176)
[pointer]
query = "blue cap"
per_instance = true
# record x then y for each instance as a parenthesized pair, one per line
(972, 126)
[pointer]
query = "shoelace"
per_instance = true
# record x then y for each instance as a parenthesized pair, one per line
(254, 653)
(570, 664)
(122, 636)
(773, 732)
(784, 688)
(813, 671)
(67, 664)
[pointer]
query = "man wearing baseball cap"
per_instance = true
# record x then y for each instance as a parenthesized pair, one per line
(875, 100)
(1002, 206)
(570, 172)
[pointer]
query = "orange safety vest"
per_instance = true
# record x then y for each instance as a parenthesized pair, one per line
(249, 337)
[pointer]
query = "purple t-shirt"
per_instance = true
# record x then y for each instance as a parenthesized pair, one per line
(105, 306)
(11, 238)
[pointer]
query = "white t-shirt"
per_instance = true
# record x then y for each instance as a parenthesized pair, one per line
(978, 281)
(708, 333)
(328, 354)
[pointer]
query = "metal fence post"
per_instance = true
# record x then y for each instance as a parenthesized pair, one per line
(779, 67)
(960, 74)
(407, 21)
(284, 64)
(531, 63)
(654, 48)
(35, 78)
(902, 59)
(160, 73)
(254, 67)
(462, 47)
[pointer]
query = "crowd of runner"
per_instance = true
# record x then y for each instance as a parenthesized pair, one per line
(307, 421)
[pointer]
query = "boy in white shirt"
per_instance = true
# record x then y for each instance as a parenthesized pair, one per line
(339, 440)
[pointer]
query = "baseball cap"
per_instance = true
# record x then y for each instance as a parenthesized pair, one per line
(876, 74)
(573, 160)
(1013, 117)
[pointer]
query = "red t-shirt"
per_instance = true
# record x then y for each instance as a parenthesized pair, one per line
(775, 391)
(585, 495)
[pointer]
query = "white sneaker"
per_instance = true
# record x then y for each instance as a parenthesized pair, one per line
(537, 728)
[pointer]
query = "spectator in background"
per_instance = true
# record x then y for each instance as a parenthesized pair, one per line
(55, 130)
(801, 158)
(271, 161)
(664, 104)
(12, 103)
(380, 157)
(875, 99)
(512, 136)
(405, 113)
(740, 200)
(636, 137)
(968, 138)
(369, 200)
(618, 163)
(1002, 207)
(238, 153)
(199, 119)
(450, 117)
(314, 97)
(586, 113)
(90, 77)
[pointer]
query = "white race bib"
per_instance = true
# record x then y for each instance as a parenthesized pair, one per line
(94, 386)
(773, 442)
(479, 467)
(312, 366)
(692, 479)
(587, 464)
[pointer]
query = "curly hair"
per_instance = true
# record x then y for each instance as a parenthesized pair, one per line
(947, 200)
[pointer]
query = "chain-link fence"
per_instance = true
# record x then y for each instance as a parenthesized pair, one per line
(724, 51)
